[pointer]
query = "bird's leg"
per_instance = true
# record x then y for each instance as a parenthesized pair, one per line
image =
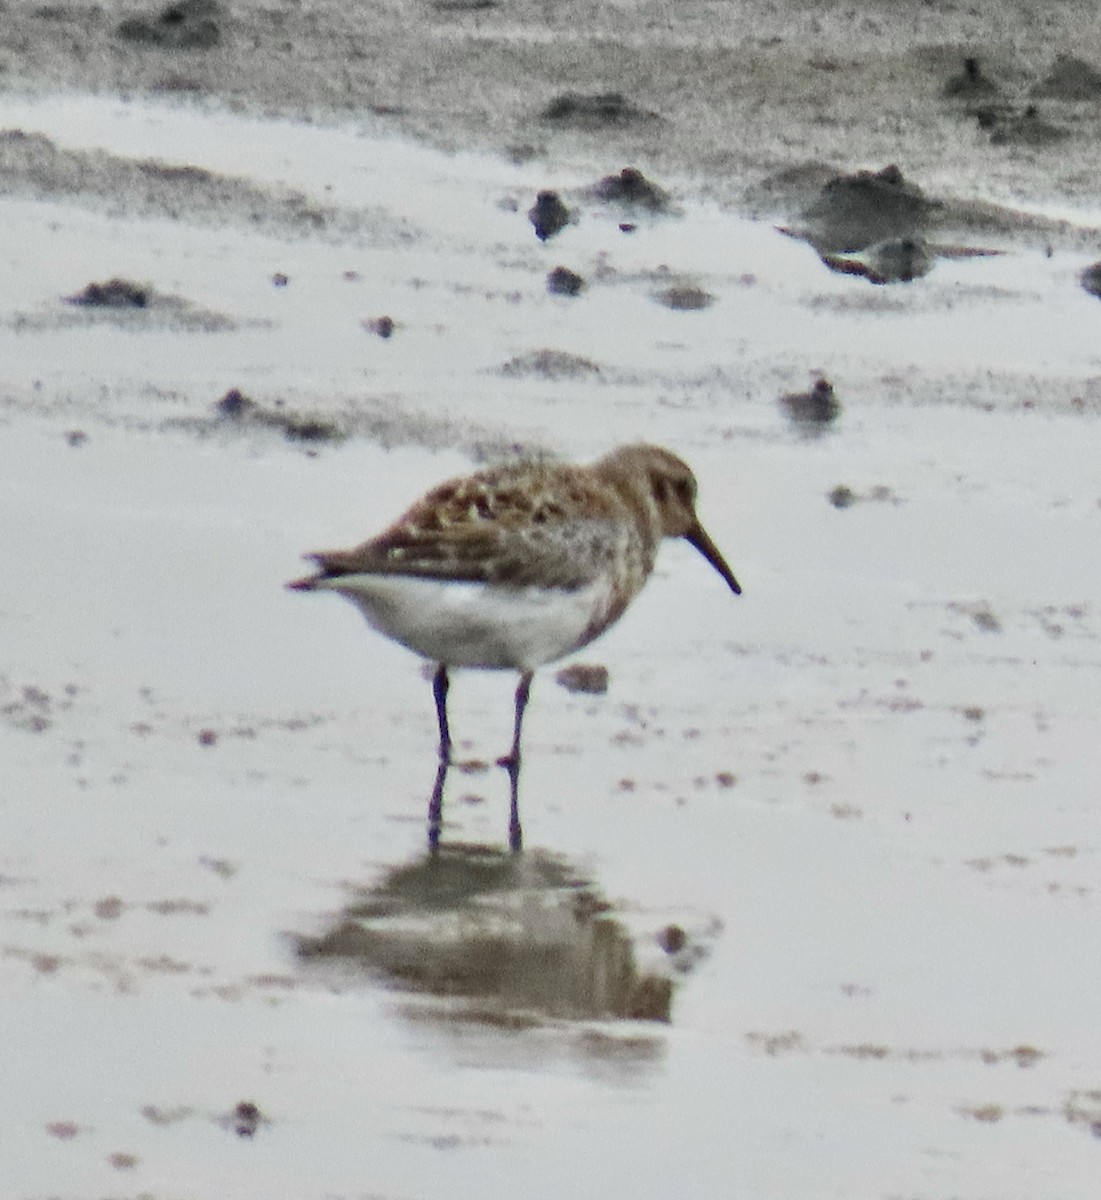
(435, 804)
(440, 684)
(512, 763)
(435, 808)
(523, 689)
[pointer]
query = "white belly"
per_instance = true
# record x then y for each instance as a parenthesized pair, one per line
(477, 624)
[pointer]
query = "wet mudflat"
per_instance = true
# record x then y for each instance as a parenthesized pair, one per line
(808, 899)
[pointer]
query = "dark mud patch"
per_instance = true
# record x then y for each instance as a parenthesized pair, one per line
(853, 212)
(631, 189)
(34, 166)
(684, 297)
(590, 111)
(115, 293)
(978, 614)
(131, 306)
(747, 91)
(985, 219)
(245, 1118)
(387, 420)
(31, 708)
(1070, 79)
(872, 224)
(841, 214)
(241, 411)
(463, 6)
(1027, 128)
(789, 191)
(185, 25)
(971, 83)
(844, 496)
(1082, 1110)
(550, 364)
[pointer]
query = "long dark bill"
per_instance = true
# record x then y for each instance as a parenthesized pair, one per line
(699, 538)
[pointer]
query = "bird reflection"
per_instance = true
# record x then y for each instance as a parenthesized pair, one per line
(506, 935)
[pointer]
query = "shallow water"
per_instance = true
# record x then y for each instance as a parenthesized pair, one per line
(864, 790)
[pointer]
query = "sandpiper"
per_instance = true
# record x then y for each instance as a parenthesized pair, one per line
(516, 566)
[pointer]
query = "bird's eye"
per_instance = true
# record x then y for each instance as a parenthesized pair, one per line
(684, 491)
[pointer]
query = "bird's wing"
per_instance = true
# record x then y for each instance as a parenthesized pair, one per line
(552, 554)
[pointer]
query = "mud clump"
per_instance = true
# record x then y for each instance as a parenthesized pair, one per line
(306, 429)
(812, 410)
(186, 25)
(548, 215)
(63, 1130)
(115, 293)
(34, 166)
(597, 111)
(131, 305)
(685, 298)
(970, 83)
(591, 680)
(236, 407)
(383, 327)
(632, 188)
(247, 1118)
(855, 211)
(1025, 129)
(550, 364)
(1070, 79)
(672, 939)
(844, 496)
(235, 404)
(564, 282)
